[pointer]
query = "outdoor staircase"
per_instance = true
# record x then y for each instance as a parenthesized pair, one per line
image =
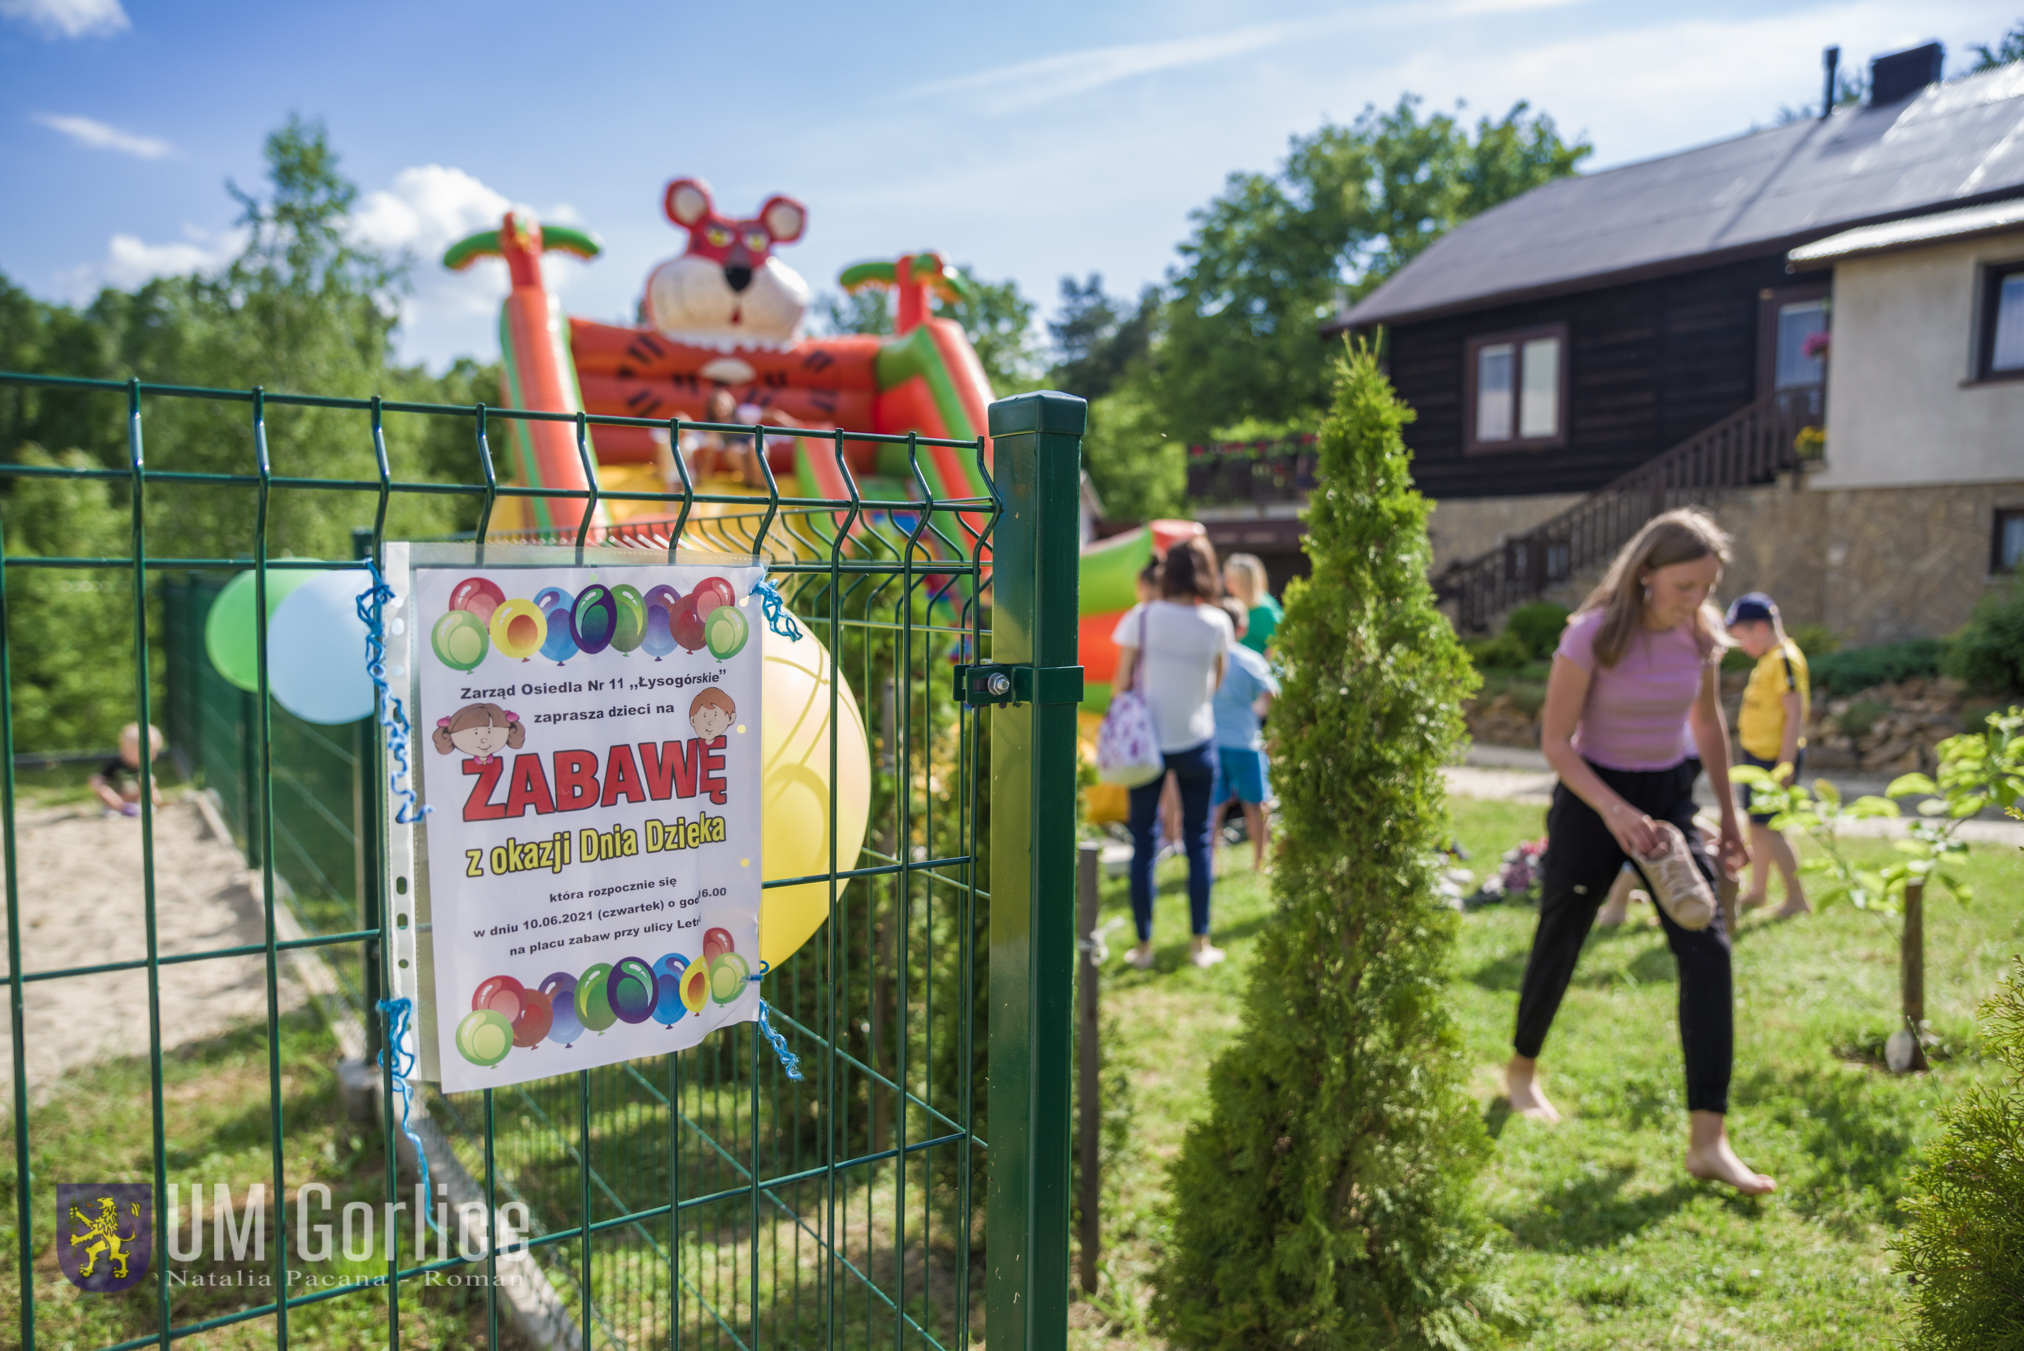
(1750, 447)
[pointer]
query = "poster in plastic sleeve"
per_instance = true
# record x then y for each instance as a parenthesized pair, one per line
(589, 738)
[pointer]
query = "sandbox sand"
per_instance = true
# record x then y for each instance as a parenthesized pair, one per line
(82, 904)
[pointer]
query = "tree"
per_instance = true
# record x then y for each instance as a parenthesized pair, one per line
(1275, 255)
(1964, 1247)
(1326, 1200)
(2010, 47)
(1097, 337)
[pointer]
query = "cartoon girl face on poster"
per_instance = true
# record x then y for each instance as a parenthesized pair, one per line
(711, 713)
(480, 731)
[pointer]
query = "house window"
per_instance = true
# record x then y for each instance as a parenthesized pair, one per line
(2006, 545)
(2003, 324)
(1798, 357)
(1516, 390)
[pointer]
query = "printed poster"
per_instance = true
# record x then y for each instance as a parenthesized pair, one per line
(589, 747)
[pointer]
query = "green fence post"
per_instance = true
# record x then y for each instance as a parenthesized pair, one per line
(1038, 467)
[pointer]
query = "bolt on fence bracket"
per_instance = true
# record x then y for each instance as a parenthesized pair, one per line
(982, 685)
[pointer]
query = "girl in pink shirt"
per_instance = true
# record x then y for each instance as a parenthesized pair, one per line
(1633, 693)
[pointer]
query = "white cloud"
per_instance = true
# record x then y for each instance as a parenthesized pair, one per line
(100, 136)
(130, 260)
(68, 18)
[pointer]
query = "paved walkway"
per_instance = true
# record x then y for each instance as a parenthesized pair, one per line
(1515, 774)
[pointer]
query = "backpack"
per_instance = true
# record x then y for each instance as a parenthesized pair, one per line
(1127, 747)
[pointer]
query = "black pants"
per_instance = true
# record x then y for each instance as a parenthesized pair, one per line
(1582, 859)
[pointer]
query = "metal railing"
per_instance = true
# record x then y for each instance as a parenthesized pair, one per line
(696, 1199)
(1253, 474)
(1751, 446)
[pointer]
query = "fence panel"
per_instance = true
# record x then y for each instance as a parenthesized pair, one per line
(703, 1199)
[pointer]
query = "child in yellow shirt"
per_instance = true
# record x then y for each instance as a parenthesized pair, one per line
(1770, 731)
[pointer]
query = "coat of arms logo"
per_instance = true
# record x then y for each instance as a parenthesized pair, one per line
(105, 1234)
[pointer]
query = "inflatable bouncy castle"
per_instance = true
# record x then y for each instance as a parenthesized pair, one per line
(725, 315)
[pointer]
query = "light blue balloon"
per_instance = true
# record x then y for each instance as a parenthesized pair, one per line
(560, 644)
(549, 597)
(659, 639)
(316, 650)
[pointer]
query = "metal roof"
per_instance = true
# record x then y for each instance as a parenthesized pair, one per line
(1950, 145)
(1970, 222)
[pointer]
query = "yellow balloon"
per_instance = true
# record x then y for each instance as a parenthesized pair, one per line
(518, 629)
(794, 735)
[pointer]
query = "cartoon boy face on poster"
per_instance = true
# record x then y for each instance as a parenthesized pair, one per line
(593, 834)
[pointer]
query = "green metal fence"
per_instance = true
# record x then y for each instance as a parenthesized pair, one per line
(698, 1199)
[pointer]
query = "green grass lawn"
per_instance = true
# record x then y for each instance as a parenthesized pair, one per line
(1608, 1242)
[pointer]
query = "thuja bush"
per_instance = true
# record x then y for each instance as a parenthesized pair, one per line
(1964, 1247)
(1326, 1200)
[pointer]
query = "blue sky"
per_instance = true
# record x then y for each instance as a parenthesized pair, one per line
(1028, 141)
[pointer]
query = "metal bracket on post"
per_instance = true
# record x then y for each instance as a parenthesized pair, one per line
(987, 684)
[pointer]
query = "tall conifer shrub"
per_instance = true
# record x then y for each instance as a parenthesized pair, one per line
(1326, 1200)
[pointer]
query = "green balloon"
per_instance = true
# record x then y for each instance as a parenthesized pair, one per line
(632, 618)
(230, 636)
(484, 1037)
(728, 975)
(726, 632)
(593, 999)
(460, 640)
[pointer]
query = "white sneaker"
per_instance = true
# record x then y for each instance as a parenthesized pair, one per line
(1207, 957)
(1677, 885)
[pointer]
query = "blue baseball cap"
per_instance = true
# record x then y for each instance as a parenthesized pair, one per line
(1751, 605)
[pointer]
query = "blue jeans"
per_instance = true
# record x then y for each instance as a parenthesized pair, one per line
(1195, 768)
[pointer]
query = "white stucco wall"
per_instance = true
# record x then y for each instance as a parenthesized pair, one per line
(1901, 404)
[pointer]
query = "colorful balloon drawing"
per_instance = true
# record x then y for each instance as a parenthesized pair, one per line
(561, 991)
(713, 586)
(632, 618)
(560, 645)
(668, 1006)
(728, 975)
(593, 998)
(480, 595)
(548, 597)
(537, 1016)
(696, 986)
(502, 994)
(726, 632)
(717, 942)
(518, 629)
(484, 1037)
(594, 619)
(460, 640)
(660, 635)
(632, 989)
(686, 624)
(663, 595)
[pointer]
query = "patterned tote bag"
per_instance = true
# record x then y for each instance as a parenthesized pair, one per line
(1127, 750)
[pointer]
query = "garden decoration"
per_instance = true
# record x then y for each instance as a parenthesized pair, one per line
(582, 935)
(1515, 879)
(1976, 770)
(726, 314)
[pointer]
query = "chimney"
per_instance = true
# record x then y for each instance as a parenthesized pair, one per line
(1831, 59)
(1900, 75)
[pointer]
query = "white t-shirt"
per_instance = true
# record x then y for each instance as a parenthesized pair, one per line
(1178, 668)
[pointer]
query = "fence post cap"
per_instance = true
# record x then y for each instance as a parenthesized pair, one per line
(1046, 410)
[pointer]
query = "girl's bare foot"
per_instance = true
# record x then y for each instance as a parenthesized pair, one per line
(1751, 900)
(1710, 1158)
(1141, 957)
(1521, 1086)
(1614, 911)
